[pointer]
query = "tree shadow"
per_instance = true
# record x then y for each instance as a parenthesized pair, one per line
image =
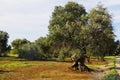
(6, 71)
(118, 68)
(110, 68)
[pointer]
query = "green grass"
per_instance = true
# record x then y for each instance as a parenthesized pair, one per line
(109, 57)
(110, 60)
(111, 75)
(94, 65)
(14, 64)
(11, 59)
(43, 69)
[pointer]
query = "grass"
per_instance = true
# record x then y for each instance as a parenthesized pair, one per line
(14, 64)
(11, 59)
(109, 57)
(21, 69)
(111, 75)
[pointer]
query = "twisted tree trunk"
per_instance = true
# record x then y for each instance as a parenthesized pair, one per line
(79, 64)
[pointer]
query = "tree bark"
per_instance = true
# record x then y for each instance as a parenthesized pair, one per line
(79, 64)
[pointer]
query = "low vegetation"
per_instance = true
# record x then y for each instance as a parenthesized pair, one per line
(111, 75)
(12, 68)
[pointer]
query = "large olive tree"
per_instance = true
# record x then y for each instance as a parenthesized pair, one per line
(66, 26)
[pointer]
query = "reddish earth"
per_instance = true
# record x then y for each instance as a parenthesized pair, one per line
(43, 70)
(17, 69)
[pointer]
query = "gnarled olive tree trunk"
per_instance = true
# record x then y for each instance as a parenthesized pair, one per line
(79, 64)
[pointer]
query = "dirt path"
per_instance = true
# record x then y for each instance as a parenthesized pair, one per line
(117, 65)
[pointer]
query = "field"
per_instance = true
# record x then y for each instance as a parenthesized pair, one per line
(19, 69)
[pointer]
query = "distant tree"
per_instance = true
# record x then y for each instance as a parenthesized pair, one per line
(14, 52)
(38, 50)
(30, 52)
(43, 47)
(18, 43)
(3, 43)
(117, 51)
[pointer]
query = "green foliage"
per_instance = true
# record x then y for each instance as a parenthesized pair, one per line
(26, 50)
(39, 50)
(65, 26)
(71, 28)
(44, 48)
(11, 59)
(76, 52)
(14, 64)
(19, 42)
(3, 43)
(101, 30)
(14, 51)
(117, 51)
(61, 56)
(29, 51)
(111, 75)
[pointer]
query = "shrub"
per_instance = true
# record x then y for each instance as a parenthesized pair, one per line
(61, 56)
(111, 75)
(29, 51)
(14, 51)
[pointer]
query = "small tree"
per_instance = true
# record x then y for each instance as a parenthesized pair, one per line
(29, 51)
(18, 43)
(44, 48)
(3, 43)
(117, 51)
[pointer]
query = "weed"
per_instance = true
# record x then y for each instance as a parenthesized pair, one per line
(14, 64)
(111, 75)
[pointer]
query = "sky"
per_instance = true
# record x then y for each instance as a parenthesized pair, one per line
(30, 18)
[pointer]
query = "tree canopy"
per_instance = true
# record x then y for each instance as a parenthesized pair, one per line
(73, 30)
(3, 42)
(71, 27)
(17, 43)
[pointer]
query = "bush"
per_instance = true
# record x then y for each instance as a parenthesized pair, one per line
(61, 56)
(111, 75)
(14, 52)
(29, 51)
(34, 52)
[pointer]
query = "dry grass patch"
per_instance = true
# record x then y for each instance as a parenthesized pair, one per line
(43, 70)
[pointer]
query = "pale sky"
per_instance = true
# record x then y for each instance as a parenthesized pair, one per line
(30, 18)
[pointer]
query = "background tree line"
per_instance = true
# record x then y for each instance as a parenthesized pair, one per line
(71, 30)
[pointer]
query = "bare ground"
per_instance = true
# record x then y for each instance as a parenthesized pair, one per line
(47, 70)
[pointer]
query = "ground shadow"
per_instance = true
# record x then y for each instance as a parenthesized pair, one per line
(118, 68)
(6, 71)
